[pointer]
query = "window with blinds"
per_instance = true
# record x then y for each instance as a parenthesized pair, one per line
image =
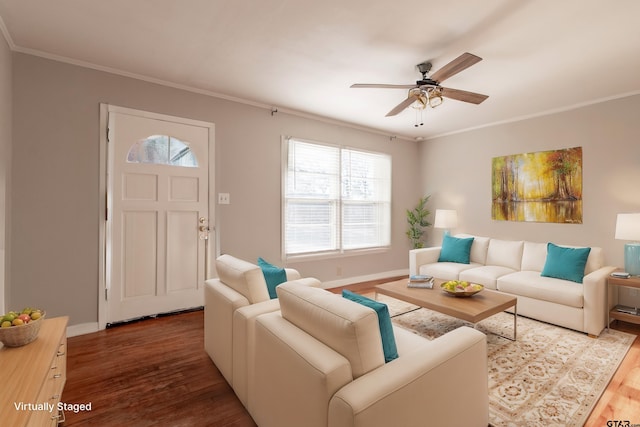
(335, 199)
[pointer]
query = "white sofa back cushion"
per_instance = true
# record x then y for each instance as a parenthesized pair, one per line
(595, 260)
(505, 253)
(347, 327)
(479, 248)
(534, 255)
(243, 277)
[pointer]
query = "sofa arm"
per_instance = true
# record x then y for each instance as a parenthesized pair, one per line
(292, 274)
(430, 383)
(595, 300)
(308, 281)
(244, 321)
(418, 257)
(220, 302)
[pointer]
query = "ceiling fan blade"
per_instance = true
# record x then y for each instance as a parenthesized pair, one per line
(463, 95)
(461, 63)
(400, 107)
(382, 86)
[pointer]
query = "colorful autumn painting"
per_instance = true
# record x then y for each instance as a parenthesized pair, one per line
(539, 187)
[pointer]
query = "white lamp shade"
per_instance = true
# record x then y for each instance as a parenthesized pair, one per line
(627, 226)
(446, 218)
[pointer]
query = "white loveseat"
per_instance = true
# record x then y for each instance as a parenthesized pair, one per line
(319, 362)
(232, 301)
(514, 267)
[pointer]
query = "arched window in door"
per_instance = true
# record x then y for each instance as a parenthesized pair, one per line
(163, 150)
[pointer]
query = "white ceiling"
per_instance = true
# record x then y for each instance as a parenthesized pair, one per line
(539, 56)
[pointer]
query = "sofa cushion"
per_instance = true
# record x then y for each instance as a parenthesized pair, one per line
(531, 284)
(565, 263)
(595, 260)
(505, 253)
(478, 253)
(273, 275)
(384, 321)
(534, 256)
(455, 249)
(348, 328)
(446, 270)
(243, 277)
(486, 275)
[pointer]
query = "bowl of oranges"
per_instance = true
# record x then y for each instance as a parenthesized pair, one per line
(20, 328)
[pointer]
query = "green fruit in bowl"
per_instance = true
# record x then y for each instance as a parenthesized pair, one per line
(22, 318)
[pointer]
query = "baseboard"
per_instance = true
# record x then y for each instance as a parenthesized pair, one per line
(367, 278)
(82, 328)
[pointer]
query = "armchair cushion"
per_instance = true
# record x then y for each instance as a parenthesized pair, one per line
(384, 321)
(565, 263)
(455, 249)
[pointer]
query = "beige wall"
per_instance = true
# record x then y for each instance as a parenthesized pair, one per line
(456, 170)
(54, 177)
(55, 180)
(5, 165)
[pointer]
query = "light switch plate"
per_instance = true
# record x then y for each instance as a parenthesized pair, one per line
(224, 198)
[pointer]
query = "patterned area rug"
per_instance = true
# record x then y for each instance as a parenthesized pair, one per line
(550, 376)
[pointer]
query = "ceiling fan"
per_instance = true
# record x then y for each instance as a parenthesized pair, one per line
(428, 91)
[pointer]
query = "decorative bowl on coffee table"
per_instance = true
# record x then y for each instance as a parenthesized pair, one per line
(460, 288)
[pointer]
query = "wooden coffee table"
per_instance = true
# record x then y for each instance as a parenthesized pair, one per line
(471, 309)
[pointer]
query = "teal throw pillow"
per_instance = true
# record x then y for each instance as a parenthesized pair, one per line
(273, 275)
(455, 249)
(565, 263)
(384, 322)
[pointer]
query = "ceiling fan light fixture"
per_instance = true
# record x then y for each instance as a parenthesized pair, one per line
(421, 98)
(436, 98)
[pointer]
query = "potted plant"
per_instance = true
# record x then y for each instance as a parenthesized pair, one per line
(417, 219)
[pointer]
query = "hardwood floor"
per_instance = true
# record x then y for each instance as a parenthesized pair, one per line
(621, 400)
(150, 373)
(156, 372)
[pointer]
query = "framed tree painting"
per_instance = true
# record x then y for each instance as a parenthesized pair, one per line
(545, 186)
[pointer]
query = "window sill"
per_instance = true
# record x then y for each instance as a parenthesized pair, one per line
(292, 259)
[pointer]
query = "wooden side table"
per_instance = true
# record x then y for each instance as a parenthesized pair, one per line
(631, 282)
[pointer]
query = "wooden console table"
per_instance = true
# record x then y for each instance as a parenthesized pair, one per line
(34, 374)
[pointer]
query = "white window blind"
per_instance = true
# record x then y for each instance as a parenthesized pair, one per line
(336, 199)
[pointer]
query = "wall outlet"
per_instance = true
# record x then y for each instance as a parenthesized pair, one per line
(633, 292)
(224, 198)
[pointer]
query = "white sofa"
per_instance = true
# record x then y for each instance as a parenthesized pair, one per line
(319, 362)
(240, 285)
(514, 267)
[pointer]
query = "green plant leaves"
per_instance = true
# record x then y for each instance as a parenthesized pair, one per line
(417, 220)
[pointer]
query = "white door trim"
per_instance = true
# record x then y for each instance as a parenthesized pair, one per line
(105, 109)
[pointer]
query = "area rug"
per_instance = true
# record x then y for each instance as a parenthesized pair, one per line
(550, 376)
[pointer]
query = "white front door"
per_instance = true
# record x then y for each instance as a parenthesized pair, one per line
(157, 227)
